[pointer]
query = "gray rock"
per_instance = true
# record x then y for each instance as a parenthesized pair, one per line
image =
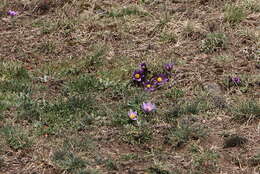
(213, 88)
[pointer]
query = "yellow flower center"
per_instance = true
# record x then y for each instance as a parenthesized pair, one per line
(159, 79)
(132, 116)
(137, 76)
(148, 86)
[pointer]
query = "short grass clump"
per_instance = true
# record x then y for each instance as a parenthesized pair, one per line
(233, 14)
(129, 156)
(80, 144)
(6, 101)
(222, 59)
(16, 79)
(96, 59)
(136, 135)
(46, 26)
(169, 37)
(65, 112)
(118, 91)
(181, 108)
(247, 111)
(28, 109)
(214, 42)
(111, 164)
(205, 161)
(68, 161)
(174, 93)
(252, 5)
(126, 12)
(47, 48)
(15, 86)
(84, 84)
(181, 135)
(49, 117)
(16, 138)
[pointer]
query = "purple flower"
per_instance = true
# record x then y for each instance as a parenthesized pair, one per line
(160, 79)
(138, 75)
(149, 86)
(132, 115)
(148, 107)
(143, 66)
(168, 66)
(236, 80)
(11, 13)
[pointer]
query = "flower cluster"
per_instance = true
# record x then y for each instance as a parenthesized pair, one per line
(146, 107)
(141, 77)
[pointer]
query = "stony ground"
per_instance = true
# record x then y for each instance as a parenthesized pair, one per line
(66, 86)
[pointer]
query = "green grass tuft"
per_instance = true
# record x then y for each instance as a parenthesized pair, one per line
(194, 107)
(111, 164)
(174, 93)
(127, 12)
(252, 5)
(28, 109)
(234, 14)
(205, 162)
(85, 84)
(214, 42)
(47, 48)
(16, 138)
(179, 136)
(136, 135)
(68, 161)
(80, 144)
(247, 110)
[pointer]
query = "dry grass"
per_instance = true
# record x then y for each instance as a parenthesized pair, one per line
(66, 88)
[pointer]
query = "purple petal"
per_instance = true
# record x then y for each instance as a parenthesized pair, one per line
(168, 67)
(11, 13)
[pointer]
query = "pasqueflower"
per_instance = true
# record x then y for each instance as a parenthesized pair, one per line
(148, 107)
(132, 115)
